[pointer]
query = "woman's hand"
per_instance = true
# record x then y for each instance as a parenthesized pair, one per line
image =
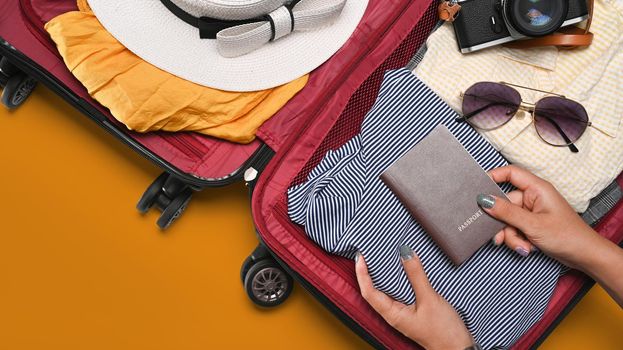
(537, 215)
(431, 321)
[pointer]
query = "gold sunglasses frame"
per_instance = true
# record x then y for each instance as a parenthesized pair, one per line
(530, 107)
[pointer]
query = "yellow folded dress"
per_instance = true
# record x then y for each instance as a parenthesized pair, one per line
(145, 98)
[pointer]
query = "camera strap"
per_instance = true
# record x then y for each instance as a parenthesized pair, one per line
(566, 38)
(448, 10)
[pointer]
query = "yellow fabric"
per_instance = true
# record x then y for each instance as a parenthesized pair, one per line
(592, 76)
(146, 98)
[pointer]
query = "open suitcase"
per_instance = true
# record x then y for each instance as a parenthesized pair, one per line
(321, 117)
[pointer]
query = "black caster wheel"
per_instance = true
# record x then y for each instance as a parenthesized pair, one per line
(7, 68)
(173, 186)
(167, 193)
(246, 265)
(267, 284)
(150, 196)
(175, 208)
(17, 89)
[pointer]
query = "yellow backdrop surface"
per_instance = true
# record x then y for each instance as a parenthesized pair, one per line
(81, 269)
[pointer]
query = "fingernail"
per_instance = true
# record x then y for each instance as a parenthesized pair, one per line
(495, 243)
(522, 251)
(357, 257)
(535, 249)
(405, 252)
(486, 201)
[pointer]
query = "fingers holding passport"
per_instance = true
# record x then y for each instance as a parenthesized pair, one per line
(541, 214)
(510, 235)
(519, 177)
(517, 218)
(536, 212)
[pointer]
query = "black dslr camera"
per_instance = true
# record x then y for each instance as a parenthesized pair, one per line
(485, 23)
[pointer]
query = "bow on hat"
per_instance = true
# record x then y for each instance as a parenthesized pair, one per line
(306, 15)
(237, 38)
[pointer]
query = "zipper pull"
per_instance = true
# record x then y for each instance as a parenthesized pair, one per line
(250, 175)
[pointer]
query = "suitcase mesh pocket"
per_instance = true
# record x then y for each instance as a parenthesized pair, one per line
(349, 122)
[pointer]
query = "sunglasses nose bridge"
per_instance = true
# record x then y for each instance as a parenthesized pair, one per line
(526, 106)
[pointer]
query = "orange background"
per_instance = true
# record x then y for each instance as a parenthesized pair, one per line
(81, 269)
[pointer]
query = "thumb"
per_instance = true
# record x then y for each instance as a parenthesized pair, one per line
(506, 211)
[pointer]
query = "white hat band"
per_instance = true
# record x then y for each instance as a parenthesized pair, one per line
(306, 15)
(240, 37)
(282, 22)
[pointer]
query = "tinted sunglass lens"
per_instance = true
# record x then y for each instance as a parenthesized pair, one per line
(489, 105)
(560, 121)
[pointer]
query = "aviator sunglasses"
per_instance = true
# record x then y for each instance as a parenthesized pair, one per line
(558, 120)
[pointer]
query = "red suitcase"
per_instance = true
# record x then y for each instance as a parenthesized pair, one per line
(323, 116)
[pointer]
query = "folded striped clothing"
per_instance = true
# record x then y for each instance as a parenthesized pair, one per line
(345, 207)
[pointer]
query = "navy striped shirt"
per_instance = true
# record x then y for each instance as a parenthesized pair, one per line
(346, 208)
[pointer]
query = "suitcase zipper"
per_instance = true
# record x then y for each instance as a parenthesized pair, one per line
(181, 143)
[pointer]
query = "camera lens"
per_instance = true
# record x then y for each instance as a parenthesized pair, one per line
(536, 17)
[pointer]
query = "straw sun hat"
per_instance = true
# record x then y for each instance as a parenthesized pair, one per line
(235, 45)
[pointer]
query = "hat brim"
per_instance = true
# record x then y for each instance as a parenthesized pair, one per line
(149, 30)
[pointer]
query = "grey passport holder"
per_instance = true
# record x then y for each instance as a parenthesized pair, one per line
(438, 182)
